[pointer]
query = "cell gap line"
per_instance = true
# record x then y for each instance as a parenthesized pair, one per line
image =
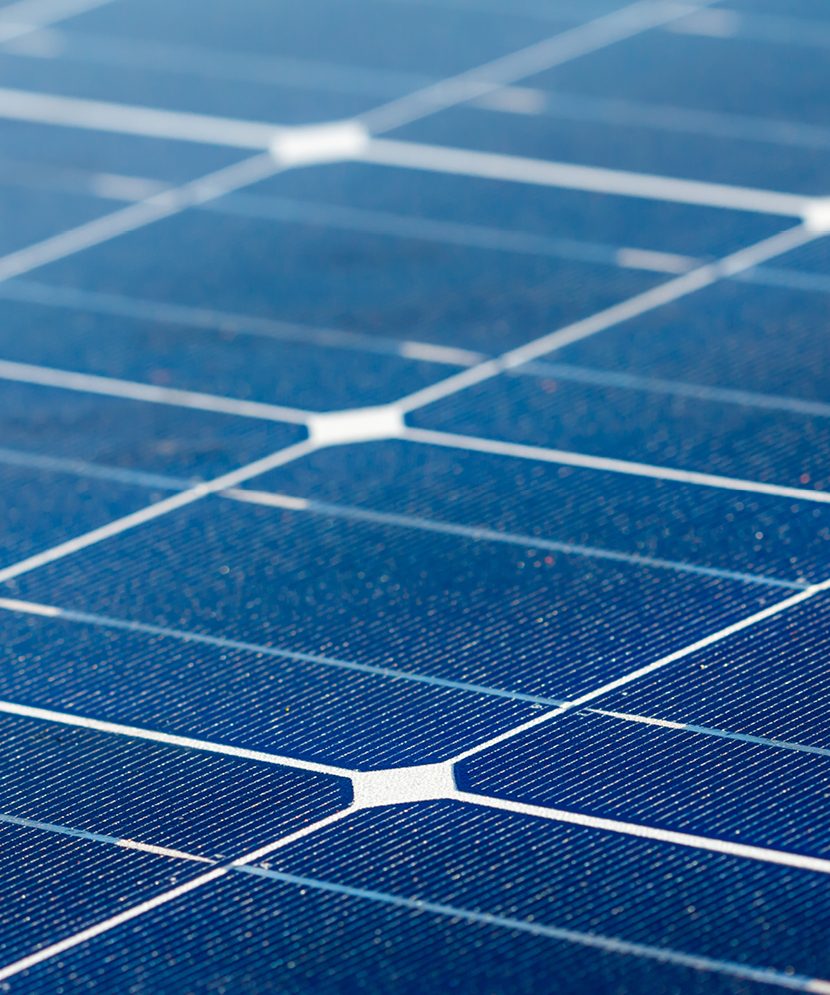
(713, 638)
(27, 16)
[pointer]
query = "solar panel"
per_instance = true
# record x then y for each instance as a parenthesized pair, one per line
(413, 551)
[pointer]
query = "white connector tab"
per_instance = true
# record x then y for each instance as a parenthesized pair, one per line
(398, 785)
(318, 143)
(817, 216)
(357, 425)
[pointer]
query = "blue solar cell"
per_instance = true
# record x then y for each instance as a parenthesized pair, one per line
(722, 337)
(164, 795)
(259, 930)
(66, 885)
(795, 8)
(586, 880)
(40, 508)
(672, 143)
(565, 222)
(769, 681)
(255, 698)
(242, 359)
(133, 435)
(600, 512)
(172, 90)
(397, 36)
(240, 70)
(452, 295)
(645, 424)
(421, 708)
(621, 769)
(727, 76)
(28, 148)
(445, 606)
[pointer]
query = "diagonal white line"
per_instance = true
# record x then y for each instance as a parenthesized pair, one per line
(84, 935)
(155, 122)
(27, 16)
(530, 60)
(649, 668)
(76, 939)
(138, 215)
(156, 510)
(246, 864)
(86, 618)
(632, 307)
(562, 47)
(210, 187)
(638, 17)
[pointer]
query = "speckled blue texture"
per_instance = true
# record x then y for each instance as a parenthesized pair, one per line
(517, 684)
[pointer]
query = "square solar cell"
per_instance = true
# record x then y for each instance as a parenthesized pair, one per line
(321, 939)
(600, 764)
(240, 358)
(589, 512)
(144, 435)
(611, 133)
(771, 682)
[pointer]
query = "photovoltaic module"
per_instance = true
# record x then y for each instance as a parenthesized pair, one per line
(414, 497)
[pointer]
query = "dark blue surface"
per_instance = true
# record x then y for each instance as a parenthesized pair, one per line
(452, 295)
(253, 697)
(446, 606)
(605, 513)
(243, 362)
(610, 767)
(265, 935)
(583, 879)
(728, 76)
(102, 152)
(770, 683)
(366, 34)
(40, 508)
(555, 215)
(643, 425)
(134, 435)
(722, 337)
(173, 91)
(412, 713)
(800, 8)
(568, 134)
(162, 794)
(65, 884)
